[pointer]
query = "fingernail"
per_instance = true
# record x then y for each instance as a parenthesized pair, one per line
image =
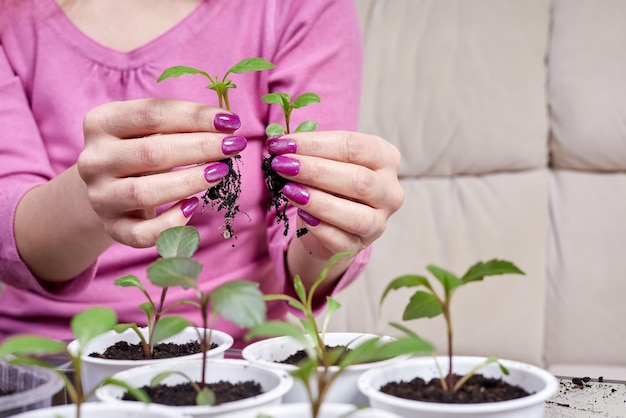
(216, 172)
(233, 144)
(308, 218)
(189, 206)
(286, 165)
(297, 193)
(279, 146)
(226, 122)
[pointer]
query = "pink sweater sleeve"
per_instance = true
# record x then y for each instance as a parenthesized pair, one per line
(319, 49)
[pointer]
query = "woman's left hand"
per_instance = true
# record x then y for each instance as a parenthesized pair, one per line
(344, 184)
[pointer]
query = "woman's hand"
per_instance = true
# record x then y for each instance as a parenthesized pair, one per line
(131, 151)
(344, 184)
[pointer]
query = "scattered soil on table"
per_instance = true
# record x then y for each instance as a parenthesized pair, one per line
(184, 394)
(478, 389)
(122, 350)
(300, 355)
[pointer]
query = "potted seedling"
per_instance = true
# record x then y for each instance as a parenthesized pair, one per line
(330, 363)
(471, 386)
(201, 387)
(225, 195)
(275, 182)
(128, 345)
(32, 349)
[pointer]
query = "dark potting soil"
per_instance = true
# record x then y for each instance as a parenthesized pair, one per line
(300, 355)
(478, 389)
(184, 394)
(122, 350)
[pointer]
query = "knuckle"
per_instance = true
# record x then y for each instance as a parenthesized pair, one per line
(363, 183)
(150, 115)
(353, 147)
(368, 224)
(138, 236)
(151, 155)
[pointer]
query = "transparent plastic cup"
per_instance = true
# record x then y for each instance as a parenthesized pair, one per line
(33, 387)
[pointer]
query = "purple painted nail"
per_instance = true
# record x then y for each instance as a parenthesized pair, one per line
(308, 218)
(286, 165)
(189, 206)
(233, 144)
(297, 193)
(279, 146)
(216, 172)
(226, 122)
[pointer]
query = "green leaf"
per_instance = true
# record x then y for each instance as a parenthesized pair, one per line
(361, 353)
(491, 268)
(179, 241)
(34, 361)
(305, 369)
(331, 306)
(405, 281)
(305, 100)
(278, 329)
(307, 126)
(241, 302)
(412, 345)
(205, 397)
(422, 305)
(137, 393)
(167, 272)
(148, 309)
(129, 281)
(92, 322)
(448, 280)
(274, 129)
(30, 345)
(281, 99)
(119, 328)
(250, 64)
(289, 299)
(299, 288)
(409, 332)
(158, 378)
(168, 326)
(180, 70)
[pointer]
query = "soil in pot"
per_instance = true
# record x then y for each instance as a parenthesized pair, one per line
(185, 395)
(122, 350)
(298, 356)
(478, 389)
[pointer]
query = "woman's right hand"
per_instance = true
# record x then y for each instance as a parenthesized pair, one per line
(140, 154)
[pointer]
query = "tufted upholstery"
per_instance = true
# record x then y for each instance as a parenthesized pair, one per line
(511, 120)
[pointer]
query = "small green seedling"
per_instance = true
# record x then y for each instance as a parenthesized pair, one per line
(315, 371)
(32, 349)
(428, 303)
(274, 181)
(238, 301)
(225, 195)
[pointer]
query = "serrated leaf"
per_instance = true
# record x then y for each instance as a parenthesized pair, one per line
(250, 64)
(240, 302)
(274, 129)
(490, 268)
(307, 126)
(305, 100)
(180, 70)
(179, 241)
(448, 280)
(422, 305)
(92, 322)
(167, 272)
(30, 345)
(408, 280)
(168, 326)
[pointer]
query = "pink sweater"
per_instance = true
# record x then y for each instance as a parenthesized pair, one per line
(51, 74)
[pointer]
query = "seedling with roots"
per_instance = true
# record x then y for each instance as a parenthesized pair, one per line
(225, 195)
(428, 303)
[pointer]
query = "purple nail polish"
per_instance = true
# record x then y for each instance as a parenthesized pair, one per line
(189, 206)
(308, 218)
(233, 144)
(226, 122)
(286, 165)
(216, 172)
(297, 193)
(279, 146)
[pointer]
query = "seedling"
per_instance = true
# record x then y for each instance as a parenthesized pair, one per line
(428, 303)
(315, 371)
(238, 301)
(224, 196)
(275, 182)
(30, 349)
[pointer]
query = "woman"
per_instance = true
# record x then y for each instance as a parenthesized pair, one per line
(97, 158)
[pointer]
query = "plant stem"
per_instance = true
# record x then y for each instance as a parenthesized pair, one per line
(450, 376)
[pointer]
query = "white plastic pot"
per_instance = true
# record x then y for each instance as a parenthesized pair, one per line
(303, 410)
(270, 352)
(34, 388)
(101, 410)
(274, 383)
(538, 382)
(95, 370)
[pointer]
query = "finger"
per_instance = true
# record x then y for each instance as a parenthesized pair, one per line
(350, 147)
(143, 117)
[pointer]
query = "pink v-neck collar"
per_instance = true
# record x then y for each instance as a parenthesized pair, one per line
(95, 51)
